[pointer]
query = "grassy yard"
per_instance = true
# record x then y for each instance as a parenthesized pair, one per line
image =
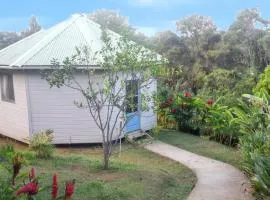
(202, 146)
(136, 174)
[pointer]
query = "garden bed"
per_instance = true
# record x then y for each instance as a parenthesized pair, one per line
(136, 174)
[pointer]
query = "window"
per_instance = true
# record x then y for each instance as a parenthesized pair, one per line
(7, 89)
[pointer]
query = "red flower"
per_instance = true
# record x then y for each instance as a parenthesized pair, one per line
(54, 187)
(30, 189)
(174, 110)
(70, 186)
(32, 174)
(210, 102)
(187, 94)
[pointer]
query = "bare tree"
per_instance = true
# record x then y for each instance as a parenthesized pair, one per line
(123, 68)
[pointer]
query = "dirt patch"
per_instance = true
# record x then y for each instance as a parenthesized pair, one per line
(109, 177)
(78, 168)
(85, 151)
(106, 176)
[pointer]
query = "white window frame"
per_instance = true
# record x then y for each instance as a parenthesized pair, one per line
(7, 96)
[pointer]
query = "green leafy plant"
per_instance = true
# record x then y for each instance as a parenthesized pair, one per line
(41, 144)
(257, 143)
(252, 114)
(261, 180)
(221, 119)
(11, 164)
(264, 82)
(253, 117)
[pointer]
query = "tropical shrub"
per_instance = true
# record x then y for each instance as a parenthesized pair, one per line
(228, 84)
(11, 163)
(264, 82)
(249, 117)
(261, 180)
(253, 113)
(253, 144)
(253, 117)
(183, 109)
(221, 119)
(41, 144)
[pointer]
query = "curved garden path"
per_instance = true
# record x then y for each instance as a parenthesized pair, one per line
(216, 180)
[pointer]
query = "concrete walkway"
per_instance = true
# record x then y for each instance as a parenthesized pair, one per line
(216, 180)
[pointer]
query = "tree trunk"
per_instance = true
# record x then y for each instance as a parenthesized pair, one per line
(106, 156)
(106, 163)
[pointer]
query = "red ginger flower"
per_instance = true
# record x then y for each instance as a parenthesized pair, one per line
(54, 187)
(30, 189)
(32, 174)
(70, 187)
(187, 94)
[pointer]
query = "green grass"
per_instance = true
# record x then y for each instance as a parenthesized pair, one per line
(135, 175)
(202, 146)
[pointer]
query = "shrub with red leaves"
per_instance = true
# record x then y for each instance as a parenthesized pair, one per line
(29, 189)
(54, 187)
(70, 187)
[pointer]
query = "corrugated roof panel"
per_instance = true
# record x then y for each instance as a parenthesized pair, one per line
(50, 36)
(14, 51)
(62, 46)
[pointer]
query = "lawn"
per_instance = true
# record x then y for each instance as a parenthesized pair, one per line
(202, 146)
(136, 174)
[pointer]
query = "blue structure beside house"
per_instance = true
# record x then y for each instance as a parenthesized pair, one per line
(133, 123)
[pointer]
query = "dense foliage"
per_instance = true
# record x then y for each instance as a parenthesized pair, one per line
(254, 119)
(237, 121)
(226, 86)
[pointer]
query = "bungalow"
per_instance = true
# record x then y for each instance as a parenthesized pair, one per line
(28, 104)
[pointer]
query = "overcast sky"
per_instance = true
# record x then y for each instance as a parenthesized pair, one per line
(149, 16)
